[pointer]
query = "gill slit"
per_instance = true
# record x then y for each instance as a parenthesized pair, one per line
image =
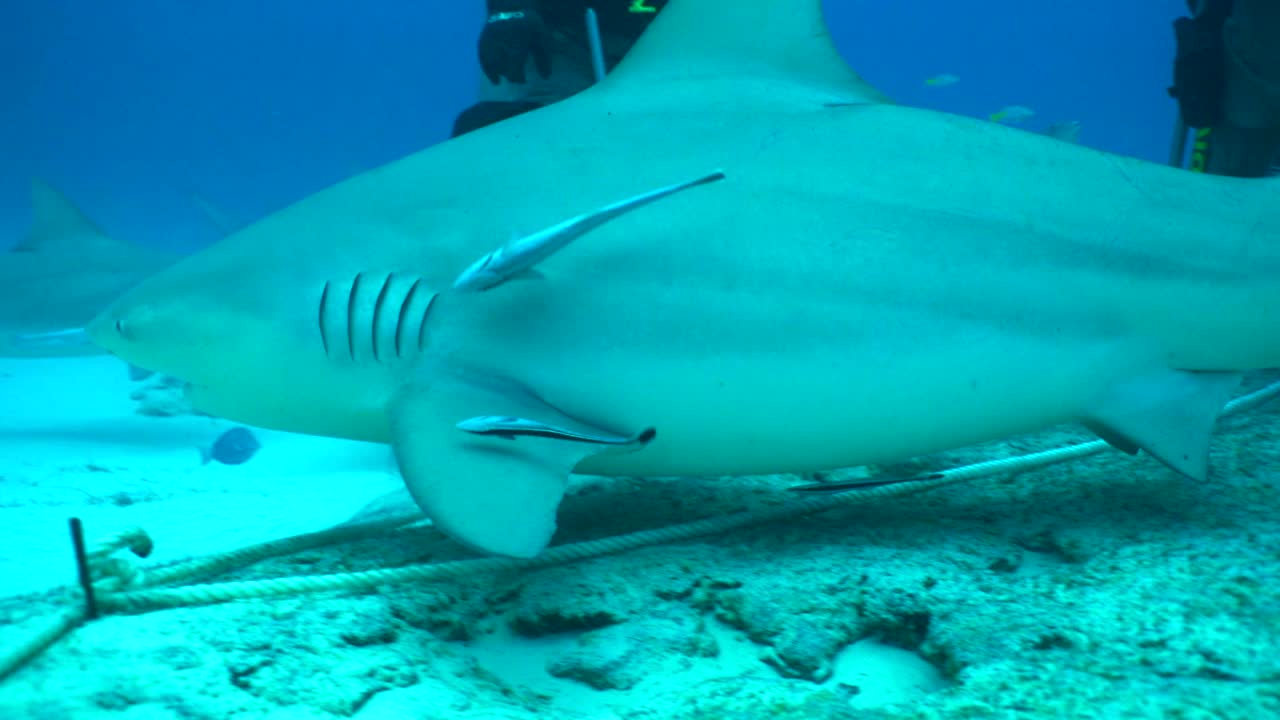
(351, 315)
(377, 314)
(404, 313)
(324, 302)
(422, 326)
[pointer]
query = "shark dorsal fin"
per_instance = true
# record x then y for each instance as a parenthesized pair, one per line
(773, 43)
(57, 224)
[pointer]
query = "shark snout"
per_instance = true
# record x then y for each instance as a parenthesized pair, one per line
(113, 328)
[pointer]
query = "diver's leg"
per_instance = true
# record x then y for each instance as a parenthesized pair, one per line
(1246, 142)
(570, 73)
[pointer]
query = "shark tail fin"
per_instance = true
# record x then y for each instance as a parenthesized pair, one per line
(784, 47)
(56, 222)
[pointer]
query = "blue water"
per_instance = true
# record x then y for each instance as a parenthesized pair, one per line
(134, 106)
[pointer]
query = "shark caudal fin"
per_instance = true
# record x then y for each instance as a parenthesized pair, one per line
(776, 51)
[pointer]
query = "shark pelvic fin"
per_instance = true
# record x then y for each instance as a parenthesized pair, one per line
(480, 487)
(521, 255)
(56, 223)
(784, 47)
(1168, 413)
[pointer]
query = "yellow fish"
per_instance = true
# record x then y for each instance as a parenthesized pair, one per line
(1012, 114)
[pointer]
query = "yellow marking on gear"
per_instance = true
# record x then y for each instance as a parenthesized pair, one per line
(1200, 150)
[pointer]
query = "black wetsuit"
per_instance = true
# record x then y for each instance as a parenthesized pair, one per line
(520, 36)
(1227, 83)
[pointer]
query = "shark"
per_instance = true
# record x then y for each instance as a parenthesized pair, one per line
(63, 273)
(731, 256)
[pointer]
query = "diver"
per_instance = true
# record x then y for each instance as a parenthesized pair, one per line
(537, 52)
(1227, 84)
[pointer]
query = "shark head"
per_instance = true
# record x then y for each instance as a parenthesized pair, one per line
(171, 325)
(274, 339)
(196, 331)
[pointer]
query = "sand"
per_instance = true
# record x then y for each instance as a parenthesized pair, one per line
(72, 443)
(1105, 589)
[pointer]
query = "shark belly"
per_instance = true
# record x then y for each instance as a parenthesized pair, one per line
(807, 412)
(743, 387)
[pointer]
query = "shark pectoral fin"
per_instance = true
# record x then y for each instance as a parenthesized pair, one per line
(1168, 413)
(138, 374)
(497, 485)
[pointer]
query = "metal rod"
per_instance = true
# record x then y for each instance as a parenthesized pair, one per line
(1178, 149)
(82, 568)
(597, 50)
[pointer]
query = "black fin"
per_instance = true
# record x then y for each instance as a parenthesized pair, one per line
(860, 484)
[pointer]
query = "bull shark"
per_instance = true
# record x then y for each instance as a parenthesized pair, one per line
(62, 274)
(732, 256)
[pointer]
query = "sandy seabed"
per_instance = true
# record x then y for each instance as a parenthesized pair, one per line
(1104, 589)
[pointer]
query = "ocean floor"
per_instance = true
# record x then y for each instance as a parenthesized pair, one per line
(1108, 588)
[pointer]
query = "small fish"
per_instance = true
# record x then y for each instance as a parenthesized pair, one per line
(223, 222)
(1066, 131)
(943, 80)
(232, 447)
(1012, 114)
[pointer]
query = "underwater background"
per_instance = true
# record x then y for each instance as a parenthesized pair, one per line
(132, 107)
(1105, 588)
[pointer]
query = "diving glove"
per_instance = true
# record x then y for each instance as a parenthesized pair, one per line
(514, 33)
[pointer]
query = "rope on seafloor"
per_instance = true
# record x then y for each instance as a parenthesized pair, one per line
(111, 574)
(222, 562)
(144, 600)
(14, 657)
(139, 601)
(110, 598)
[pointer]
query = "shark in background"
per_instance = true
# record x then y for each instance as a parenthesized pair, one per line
(739, 258)
(63, 273)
